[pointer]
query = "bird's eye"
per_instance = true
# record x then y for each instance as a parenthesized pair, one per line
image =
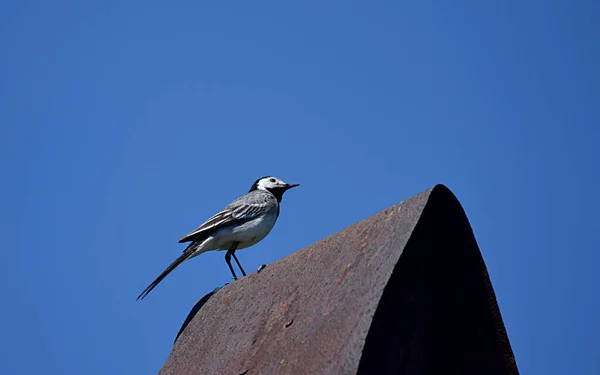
(272, 180)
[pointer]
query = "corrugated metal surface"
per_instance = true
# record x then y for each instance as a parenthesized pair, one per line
(354, 303)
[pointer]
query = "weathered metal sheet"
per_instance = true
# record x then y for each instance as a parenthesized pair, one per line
(380, 296)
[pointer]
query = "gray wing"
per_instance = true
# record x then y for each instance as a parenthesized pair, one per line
(242, 209)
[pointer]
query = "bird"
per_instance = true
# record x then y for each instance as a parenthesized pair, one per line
(241, 224)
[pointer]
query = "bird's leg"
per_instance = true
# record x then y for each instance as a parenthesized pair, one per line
(238, 263)
(228, 259)
(232, 250)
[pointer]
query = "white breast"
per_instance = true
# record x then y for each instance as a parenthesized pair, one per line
(253, 231)
(247, 234)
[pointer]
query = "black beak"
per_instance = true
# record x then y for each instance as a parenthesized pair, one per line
(289, 186)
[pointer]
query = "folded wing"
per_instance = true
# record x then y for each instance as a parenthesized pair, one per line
(236, 212)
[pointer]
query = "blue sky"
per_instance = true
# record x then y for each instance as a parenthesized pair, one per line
(126, 125)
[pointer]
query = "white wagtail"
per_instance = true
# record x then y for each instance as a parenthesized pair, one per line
(243, 223)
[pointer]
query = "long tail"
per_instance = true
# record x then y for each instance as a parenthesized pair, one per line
(172, 266)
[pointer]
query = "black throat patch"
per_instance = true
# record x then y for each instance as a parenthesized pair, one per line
(278, 193)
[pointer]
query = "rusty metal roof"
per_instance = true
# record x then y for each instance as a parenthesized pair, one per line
(403, 291)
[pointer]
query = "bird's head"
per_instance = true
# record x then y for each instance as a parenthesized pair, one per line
(273, 185)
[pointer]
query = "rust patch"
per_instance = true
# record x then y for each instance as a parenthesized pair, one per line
(329, 310)
(364, 241)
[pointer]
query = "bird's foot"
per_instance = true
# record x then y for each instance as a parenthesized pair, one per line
(262, 267)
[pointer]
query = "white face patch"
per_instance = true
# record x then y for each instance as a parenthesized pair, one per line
(269, 183)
